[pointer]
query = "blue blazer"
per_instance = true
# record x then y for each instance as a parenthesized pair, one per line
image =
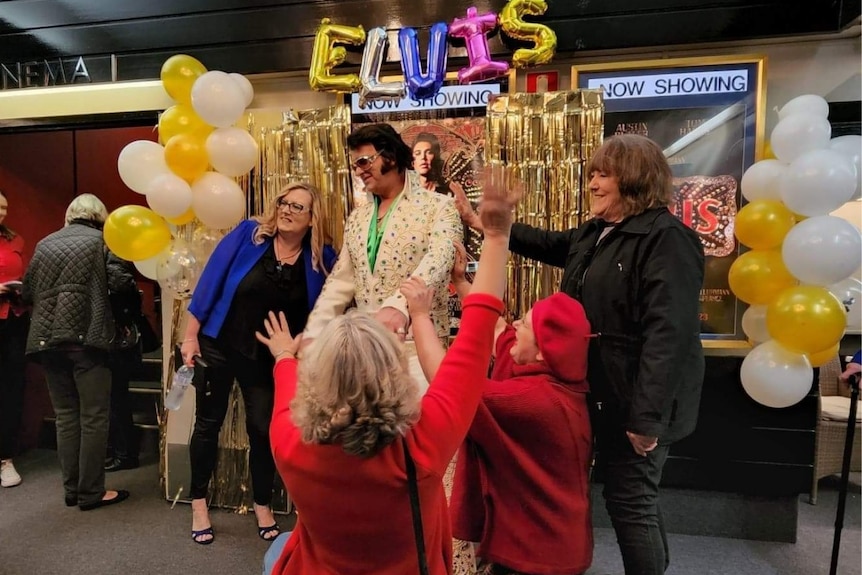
(230, 262)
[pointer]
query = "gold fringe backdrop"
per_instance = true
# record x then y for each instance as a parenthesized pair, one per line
(307, 146)
(545, 140)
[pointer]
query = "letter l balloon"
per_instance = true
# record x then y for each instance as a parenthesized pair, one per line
(369, 73)
(419, 85)
(473, 29)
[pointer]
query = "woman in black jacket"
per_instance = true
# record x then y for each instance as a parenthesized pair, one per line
(71, 334)
(638, 272)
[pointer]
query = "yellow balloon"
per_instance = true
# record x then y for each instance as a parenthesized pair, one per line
(183, 219)
(823, 357)
(179, 74)
(325, 55)
(182, 119)
(758, 276)
(768, 154)
(136, 233)
(806, 319)
(542, 36)
(762, 224)
(186, 156)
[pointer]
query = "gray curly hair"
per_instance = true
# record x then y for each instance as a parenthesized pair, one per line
(354, 387)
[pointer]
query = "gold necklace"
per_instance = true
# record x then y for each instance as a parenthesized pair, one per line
(279, 259)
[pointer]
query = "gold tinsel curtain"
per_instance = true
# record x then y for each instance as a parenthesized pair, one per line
(545, 140)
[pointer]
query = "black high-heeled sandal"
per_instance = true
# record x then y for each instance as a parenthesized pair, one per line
(262, 531)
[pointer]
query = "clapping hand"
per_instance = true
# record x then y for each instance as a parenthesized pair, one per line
(278, 338)
(418, 295)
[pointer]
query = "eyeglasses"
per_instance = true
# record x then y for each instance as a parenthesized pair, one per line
(364, 162)
(292, 207)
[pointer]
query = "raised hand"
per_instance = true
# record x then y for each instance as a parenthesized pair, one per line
(465, 209)
(500, 195)
(459, 269)
(278, 338)
(418, 295)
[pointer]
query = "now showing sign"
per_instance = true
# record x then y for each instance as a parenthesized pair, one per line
(672, 84)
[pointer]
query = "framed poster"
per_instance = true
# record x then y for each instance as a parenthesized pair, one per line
(708, 116)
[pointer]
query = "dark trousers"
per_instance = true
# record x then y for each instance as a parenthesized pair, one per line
(631, 498)
(13, 341)
(79, 383)
(121, 433)
(212, 395)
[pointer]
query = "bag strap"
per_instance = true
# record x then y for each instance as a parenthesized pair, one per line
(418, 532)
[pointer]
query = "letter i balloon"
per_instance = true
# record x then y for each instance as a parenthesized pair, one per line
(473, 29)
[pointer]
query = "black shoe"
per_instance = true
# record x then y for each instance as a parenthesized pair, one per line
(122, 495)
(118, 464)
(71, 500)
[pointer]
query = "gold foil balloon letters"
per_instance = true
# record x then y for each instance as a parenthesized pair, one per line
(326, 55)
(515, 27)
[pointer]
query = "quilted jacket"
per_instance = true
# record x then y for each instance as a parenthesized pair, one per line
(67, 283)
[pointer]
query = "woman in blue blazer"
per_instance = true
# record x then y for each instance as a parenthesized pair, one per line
(279, 262)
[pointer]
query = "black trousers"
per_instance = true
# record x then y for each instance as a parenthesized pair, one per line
(13, 342)
(122, 441)
(79, 383)
(212, 396)
(631, 489)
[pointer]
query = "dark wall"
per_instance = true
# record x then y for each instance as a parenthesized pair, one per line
(257, 36)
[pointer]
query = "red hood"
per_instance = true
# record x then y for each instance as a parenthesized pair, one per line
(562, 335)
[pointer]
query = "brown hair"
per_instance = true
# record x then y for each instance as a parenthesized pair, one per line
(267, 223)
(354, 387)
(5, 232)
(638, 163)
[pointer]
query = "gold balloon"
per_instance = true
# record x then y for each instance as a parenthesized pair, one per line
(758, 276)
(187, 156)
(182, 119)
(325, 56)
(768, 154)
(762, 224)
(183, 219)
(179, 74)
(806, 319)
(515, 27)
(821, 358)
(136, 233)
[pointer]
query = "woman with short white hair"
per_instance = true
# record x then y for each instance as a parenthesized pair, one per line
(71, 331)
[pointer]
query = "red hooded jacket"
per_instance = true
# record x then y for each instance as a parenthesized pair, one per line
(522, 479)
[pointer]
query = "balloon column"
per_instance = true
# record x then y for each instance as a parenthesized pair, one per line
(797, 278)
(187, 175)
(474, 29)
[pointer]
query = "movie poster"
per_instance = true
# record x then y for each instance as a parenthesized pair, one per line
(707, 118)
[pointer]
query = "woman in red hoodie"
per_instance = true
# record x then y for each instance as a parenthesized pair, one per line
(346, 415)
(522, 481)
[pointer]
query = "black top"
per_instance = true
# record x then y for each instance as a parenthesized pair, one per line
(268, 286)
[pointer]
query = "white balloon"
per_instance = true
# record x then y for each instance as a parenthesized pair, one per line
(776, 377)
(818, 182)
(140, 162)
(754, 323)
(822, 250)
(169, 195)
(849, 292)
(148, 267)
(760, 181)
(218, 99)
(851, 146)
(217, 200)
(232, 151)
(799, 133)
(244, 85)
(807, 104)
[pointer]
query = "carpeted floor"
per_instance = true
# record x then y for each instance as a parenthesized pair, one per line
(145, 536)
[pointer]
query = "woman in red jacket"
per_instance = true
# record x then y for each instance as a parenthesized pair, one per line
(13, 339)
(345, 416)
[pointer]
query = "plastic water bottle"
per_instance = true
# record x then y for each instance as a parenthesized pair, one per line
(182, 380)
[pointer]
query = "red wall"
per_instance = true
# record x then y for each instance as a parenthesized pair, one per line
(40, 174)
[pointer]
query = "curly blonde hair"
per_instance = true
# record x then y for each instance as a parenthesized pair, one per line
(267, 223)
(354, 387)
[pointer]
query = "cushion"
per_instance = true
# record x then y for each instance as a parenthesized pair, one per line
(837, 408)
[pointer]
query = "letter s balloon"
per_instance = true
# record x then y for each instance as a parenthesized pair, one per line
(515, 27)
